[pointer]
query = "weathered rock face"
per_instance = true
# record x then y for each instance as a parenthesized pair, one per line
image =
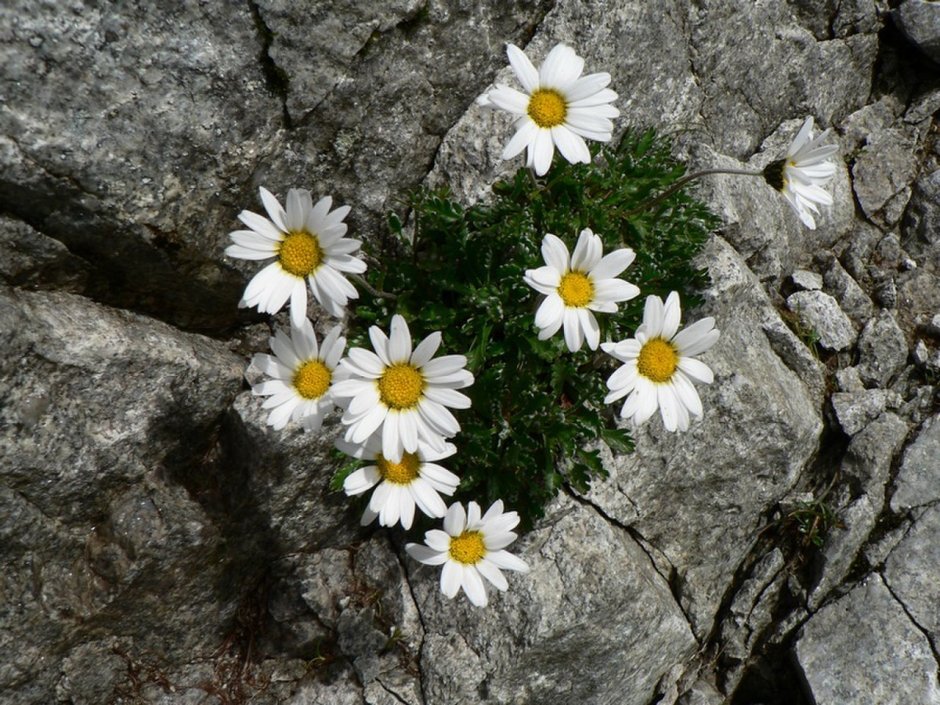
(895, 665)
(161, 544)
(99, 408)
(691, 497)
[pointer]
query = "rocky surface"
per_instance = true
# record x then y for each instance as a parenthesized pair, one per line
(161, 544)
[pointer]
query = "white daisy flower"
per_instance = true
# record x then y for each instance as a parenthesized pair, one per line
(801, 176)
(659, 365)
(308, 244)
(403, 393)
(559, 107)
(573, 288)
(416, 480)
(301, 373)
(471, 546)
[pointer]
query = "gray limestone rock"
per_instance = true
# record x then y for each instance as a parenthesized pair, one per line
(592, 591)
(750, 613)
(918, 479)
(285, 476)
(884, 168)
(863, 649)
(910, 571)
(820, 315)
(806, 280)
(105, 417)
(857, 408)
(718, 491)
(797, 356)
(702, 693)
(920, 230)
(882, 350)
(920, 354)
(848, 380)
(30, 259)
(865, 467)
(920, 22)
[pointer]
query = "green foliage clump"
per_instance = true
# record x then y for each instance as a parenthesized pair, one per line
(460, 271)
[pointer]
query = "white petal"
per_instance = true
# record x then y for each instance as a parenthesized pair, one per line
(555, 253)
(592, 331)
(672, 313)
(653, 315)
(426, 555)
(447, 397)
(406, 508)
(241, 252)
(437, 539)
(647, 401)
(524, 137)
(451, 577)
(367, 362)
(587, 86)
(510, 100)
(544, 279)
(561, 67)
(542, 150)
(426, 349)
(399, 341)
(612, 290)
(687, 395)
(550, 312)
(473, 586)
(612, 264)
(273, 207)
(571, 145)
(667, 406)
(392, 447)
(455, 521)
(443, 366)
(507, 561)
(379, 343)
(438, 418)
(261, 225)
(298, 305)
(361, 480)
(523, 68)
(696, 338)
(698, 371)
(493, 574)
(408, 430)
(574, 338)
(802, 137)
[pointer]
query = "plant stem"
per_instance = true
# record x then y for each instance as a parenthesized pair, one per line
(683, 181)
(371, 289)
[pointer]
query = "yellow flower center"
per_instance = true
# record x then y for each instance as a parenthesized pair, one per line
(658, 360)
(468, 548)
(576, 289)
(312, 379)
(547, 107)
(401, 386)
(402, 473)
(300, 253)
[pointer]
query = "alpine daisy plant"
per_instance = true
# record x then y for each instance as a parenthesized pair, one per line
(402, 394)
(301, 373)
(557, 107)
(471, 547)
(536, 407)
(577, 285)
(308, 247)
(659, 366)
(399, 487)
(802, 174)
